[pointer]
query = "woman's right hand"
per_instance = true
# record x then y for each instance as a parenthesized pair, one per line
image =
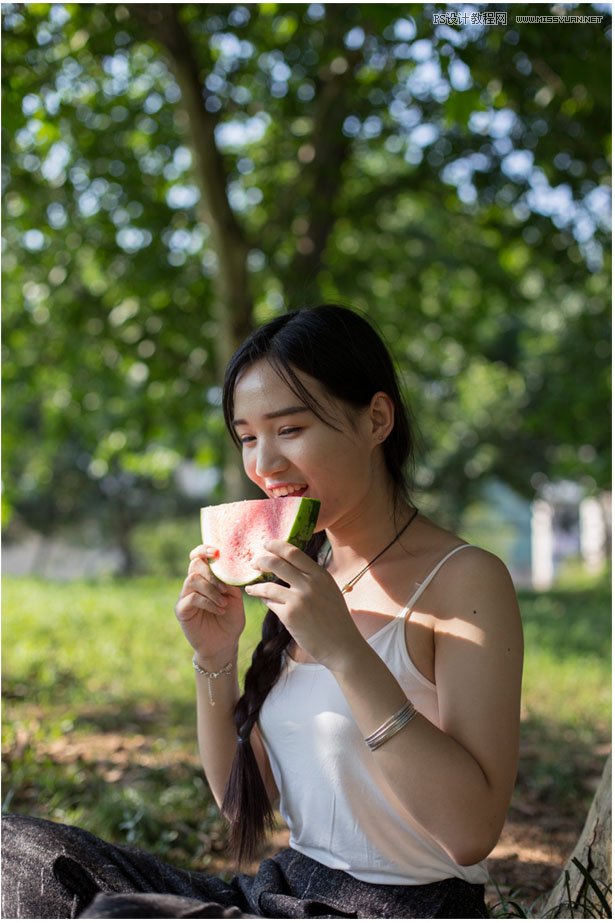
(210, 613)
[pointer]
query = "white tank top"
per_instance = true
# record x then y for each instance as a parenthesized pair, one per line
(331, 796)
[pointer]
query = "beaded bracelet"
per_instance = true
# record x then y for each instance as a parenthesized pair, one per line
(392, 726)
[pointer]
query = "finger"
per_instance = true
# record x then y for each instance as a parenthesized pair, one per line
(212, 597)
(189, 606)
(205, 551)
(199, 566)
(269, 563)
(299, 559)
(268, 592)
(279, 553)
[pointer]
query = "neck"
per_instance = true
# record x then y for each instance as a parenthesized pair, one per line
(357, 537)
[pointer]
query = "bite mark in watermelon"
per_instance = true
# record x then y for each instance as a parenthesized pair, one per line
(239, 531)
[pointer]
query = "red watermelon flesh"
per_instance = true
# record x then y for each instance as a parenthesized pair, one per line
(238, 531)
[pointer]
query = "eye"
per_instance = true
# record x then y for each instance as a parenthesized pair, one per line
(244, 440)
(289, 430)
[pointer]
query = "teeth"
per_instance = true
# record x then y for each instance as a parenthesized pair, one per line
(285, 491)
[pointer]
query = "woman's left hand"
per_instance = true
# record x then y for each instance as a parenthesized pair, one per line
(311, 607)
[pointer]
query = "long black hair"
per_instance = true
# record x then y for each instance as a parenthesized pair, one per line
(340, 349)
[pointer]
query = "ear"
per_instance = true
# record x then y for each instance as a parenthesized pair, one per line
(381, 416)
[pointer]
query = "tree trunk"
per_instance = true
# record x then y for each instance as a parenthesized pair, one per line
(123, 523)
(584, 893)
(233, 302)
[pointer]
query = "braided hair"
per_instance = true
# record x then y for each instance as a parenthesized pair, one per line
(340, 349)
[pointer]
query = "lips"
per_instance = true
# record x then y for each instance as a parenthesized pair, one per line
(287, 490)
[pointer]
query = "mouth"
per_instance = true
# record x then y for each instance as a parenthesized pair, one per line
(287, 490)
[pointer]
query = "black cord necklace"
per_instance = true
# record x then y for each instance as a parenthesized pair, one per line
(348, 586)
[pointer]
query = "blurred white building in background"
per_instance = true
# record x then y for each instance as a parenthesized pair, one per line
(568, 525)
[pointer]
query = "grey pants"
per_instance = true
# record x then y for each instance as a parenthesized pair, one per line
(52, 871)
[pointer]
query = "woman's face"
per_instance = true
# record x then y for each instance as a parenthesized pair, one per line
(288, 451)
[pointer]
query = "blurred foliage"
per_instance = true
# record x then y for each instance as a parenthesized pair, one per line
(161, 549)
(452, 181)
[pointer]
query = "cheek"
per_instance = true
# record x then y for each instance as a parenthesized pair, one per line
(338, 470)
(248, 461)
(347, 457)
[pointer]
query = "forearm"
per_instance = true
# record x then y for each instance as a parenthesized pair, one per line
(432, 776)
(217, 735)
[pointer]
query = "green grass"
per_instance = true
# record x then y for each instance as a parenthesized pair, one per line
(103, 642)
(566, 693)
(568, 657)
(99, 708)
(99, 712)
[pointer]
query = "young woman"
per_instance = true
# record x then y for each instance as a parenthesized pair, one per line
(381, 709)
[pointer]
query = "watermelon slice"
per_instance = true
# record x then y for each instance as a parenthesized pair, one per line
(239, 531)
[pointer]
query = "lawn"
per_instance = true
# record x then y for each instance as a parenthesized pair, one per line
(99, 718)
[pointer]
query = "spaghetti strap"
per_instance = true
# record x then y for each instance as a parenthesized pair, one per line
(425, 583)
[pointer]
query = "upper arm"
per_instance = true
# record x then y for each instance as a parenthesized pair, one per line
(478, 666)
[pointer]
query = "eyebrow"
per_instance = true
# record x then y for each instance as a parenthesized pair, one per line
(284, 412)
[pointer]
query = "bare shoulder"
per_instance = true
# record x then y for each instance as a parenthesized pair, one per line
(470, 568)
(474, 565)
(476, 589)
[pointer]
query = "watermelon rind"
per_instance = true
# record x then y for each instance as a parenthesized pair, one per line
(300, 532)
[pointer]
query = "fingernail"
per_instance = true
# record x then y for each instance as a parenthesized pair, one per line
(212, 553)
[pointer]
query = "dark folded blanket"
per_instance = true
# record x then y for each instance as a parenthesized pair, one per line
(53, 871)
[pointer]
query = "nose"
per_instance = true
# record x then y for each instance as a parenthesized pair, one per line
(268, 459)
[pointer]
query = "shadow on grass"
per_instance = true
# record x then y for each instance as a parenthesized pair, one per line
(559, 769)
(39, 684)
(37, 691)
(559, 772)
(131, 717)
(140, 789)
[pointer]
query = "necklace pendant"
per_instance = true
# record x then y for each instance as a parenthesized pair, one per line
(348, 586)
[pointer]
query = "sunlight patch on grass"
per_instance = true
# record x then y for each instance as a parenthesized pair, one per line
(100, 641)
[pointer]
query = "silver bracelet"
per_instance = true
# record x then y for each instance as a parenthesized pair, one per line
(225, 671)
(391, 727)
